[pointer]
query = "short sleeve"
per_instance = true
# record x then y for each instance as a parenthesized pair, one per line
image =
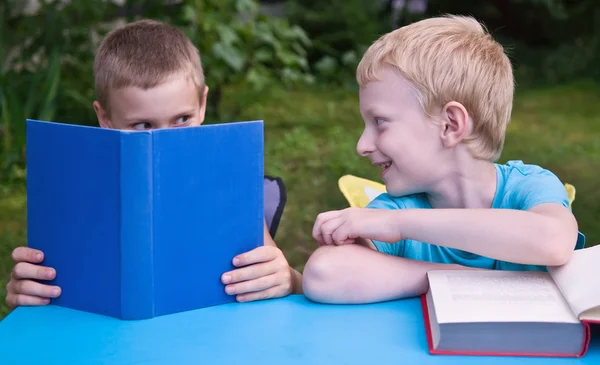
(538, 186)
(384, 201)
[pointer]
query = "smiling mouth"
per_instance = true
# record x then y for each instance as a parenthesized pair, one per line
(384, 165)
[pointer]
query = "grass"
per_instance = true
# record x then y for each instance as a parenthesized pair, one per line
(310, 143)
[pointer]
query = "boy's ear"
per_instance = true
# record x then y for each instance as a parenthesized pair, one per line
(102, 116)
(203, 99)
(456, 124)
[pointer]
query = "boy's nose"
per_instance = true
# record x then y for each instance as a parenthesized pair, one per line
(365, 145)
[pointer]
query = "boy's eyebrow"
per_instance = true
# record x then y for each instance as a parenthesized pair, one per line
(191, 110)
(147, 119)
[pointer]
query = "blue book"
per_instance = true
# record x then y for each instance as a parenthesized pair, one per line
(141, 224)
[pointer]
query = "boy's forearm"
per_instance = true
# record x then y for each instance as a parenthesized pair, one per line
(543, 236)
(353, 274)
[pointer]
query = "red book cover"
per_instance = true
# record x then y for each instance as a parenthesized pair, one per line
(584, 348)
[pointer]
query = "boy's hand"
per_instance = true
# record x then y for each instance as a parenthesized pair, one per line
(263, 273)
(342, 227)
(22, 290)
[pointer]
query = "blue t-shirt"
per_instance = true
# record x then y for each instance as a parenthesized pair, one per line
(519, 186)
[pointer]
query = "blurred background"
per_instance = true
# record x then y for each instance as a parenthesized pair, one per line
(292, 63)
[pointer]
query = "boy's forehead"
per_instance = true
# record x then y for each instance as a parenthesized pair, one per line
(173, 96)
(389, 90)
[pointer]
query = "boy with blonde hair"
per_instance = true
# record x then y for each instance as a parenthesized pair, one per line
(149, 75)
(436, 97)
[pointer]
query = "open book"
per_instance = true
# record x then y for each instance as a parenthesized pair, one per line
(530, 313)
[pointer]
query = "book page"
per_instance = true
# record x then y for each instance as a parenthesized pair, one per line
(579, 279)
(497, 296)
(591, 315)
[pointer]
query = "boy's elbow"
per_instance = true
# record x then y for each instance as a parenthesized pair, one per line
(560, 242)
(559, 250)
(319, 276)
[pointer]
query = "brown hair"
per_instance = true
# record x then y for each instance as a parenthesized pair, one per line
(143, 54)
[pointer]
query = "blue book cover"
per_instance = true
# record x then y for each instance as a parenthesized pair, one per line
(140, 224)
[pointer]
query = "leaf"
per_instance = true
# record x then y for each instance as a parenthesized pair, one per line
(246, 7)
(263, 55)
(227, 34)
(230, 55)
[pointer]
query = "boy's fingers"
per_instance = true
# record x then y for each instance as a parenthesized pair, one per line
(261, 284)
(249, 273)
(27, 254)
(259, 254)
(274, 292)
(328, 229)
(321, 220)
(17, 300)
(25, 270)
(341, 235)
(32, 288)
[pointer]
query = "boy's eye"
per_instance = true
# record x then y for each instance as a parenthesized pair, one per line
(378, 121)
(183, 119)
(142, 126)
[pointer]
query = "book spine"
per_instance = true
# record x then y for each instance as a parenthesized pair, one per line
(137, 258)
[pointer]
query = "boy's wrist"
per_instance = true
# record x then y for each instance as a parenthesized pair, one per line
(296, 279)
(401, 224)
(410, 223)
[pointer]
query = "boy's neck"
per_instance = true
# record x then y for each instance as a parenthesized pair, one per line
(467, 183)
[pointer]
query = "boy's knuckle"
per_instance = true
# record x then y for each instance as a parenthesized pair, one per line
(265, 282)
(10, 301)
(40, 272)
(18, 270)
(19, 287)
(15, 255)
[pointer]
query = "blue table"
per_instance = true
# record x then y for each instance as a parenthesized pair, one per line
(289, 330)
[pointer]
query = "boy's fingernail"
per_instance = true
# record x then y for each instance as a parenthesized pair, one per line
(49, 273)
(236, 261)
(55, 292)
(226, 279)
(229, 289)
(38, 256)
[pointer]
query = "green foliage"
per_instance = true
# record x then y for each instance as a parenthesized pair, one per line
(240, 45)
(341, 30)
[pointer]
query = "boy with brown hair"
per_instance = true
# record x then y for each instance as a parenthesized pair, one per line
(436, 98)
(148, 75)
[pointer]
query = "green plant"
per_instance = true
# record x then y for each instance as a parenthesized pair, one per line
(340, 31)
(239, 44)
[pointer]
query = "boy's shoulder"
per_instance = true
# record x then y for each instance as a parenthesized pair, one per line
(387, 201)
(517, 170)
(522, 186)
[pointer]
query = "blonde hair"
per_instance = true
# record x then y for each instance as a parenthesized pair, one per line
(451, 58)
(143, 54)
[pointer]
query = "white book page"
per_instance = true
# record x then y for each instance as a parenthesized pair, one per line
(497, 296)
(579, 279)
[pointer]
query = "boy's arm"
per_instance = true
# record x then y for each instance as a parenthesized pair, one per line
(354, 274)
(543, 235)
